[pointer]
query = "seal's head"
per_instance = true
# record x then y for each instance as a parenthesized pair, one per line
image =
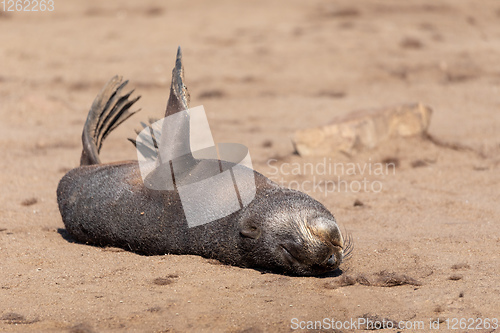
(291, 232)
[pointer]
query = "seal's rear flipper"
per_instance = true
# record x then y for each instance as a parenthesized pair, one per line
(109, 110)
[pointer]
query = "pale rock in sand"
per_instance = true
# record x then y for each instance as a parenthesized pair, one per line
(363, 129)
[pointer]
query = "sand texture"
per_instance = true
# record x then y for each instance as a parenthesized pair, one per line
(423, 212)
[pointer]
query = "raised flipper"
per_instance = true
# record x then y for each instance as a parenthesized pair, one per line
(175, 140)
(109, 110)
(179, 94)
(148, 149)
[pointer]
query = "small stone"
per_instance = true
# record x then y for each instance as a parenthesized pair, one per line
(358, 203)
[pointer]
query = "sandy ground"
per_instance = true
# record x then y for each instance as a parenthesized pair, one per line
(426, 245)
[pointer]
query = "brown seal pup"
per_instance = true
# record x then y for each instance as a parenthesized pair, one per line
(281, 230)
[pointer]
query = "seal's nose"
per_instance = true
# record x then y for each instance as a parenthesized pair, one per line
(328, 231)
(336, 258)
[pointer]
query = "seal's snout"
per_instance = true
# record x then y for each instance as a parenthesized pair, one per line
(327, 231)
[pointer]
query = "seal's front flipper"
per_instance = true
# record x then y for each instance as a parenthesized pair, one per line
(174, 132)
(179, 94)
(175, 129)
(164, 145)
(109, 110)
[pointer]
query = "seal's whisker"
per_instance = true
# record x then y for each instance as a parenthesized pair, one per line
(348, 246)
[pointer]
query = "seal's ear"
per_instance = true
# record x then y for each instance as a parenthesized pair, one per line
(250, 230)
